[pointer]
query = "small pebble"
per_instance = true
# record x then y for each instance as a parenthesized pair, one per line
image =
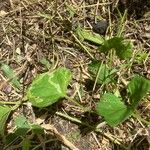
(100, 27)
(7, 89)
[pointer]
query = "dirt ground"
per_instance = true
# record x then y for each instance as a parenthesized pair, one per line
(36, 30)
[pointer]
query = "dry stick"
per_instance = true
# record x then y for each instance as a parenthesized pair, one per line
(93, 5)
(18, 9)
(59, 136)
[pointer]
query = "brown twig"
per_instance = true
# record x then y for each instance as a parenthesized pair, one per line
(59, 136)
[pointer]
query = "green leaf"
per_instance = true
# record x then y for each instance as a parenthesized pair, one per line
(22, 125)
(48, 88)
(96, 68)
(37, 129)
(122, 48)
(10, 75)
(113, 109)
(4, 113)
(138, 87)
(89, 36)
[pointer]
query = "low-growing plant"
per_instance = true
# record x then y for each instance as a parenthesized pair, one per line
(113, 108)
(50, 87)
(119, 45)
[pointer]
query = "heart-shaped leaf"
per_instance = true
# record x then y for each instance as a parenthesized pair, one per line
(113, 109)
(48, 88)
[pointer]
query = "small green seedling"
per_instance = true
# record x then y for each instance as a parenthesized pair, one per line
(121, 47)
(113, 108)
